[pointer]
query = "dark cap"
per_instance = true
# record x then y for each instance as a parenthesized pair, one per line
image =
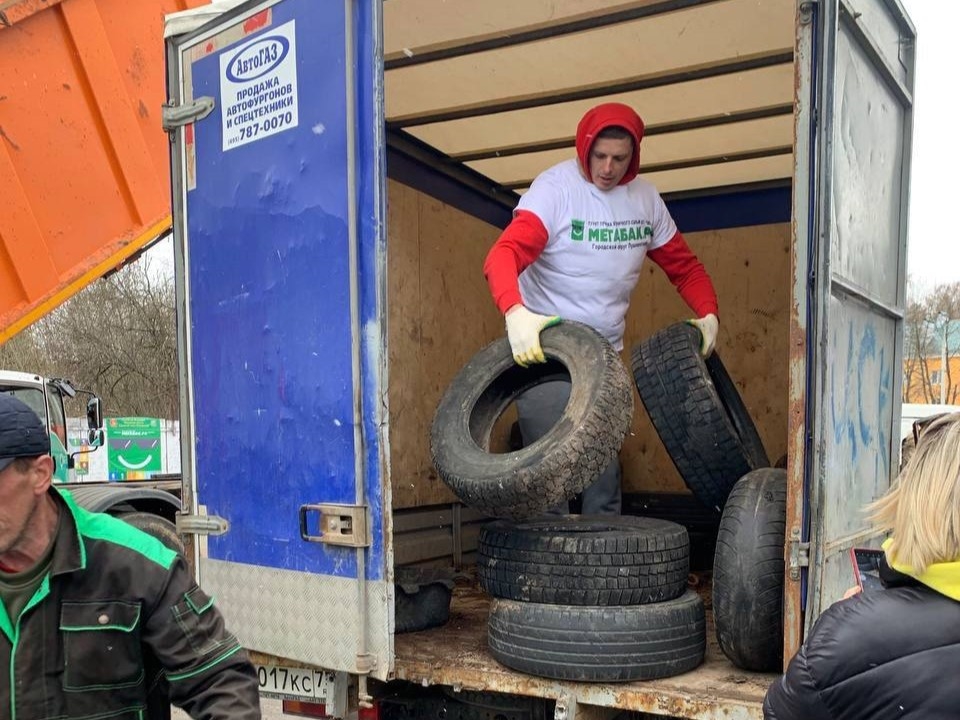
(22, 433)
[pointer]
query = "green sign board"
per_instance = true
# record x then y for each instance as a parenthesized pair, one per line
(133, 448)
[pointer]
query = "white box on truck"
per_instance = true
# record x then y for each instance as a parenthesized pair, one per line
(325, 307)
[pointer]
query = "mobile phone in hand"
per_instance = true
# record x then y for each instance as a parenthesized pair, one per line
(866, 567)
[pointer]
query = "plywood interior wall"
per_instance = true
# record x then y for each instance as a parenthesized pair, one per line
(440, 314)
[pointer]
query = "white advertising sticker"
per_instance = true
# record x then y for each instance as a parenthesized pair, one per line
(258, 87)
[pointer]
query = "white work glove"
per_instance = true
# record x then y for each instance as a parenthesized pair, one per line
(523, 331)
(708, 326)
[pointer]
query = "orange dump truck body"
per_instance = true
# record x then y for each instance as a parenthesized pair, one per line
(83, 157)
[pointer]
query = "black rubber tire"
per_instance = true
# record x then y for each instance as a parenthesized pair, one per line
(422, 598)
(698, 413)
(560, 464)
(584, 560)
(155, 526)
(748, 572)
(599, 644)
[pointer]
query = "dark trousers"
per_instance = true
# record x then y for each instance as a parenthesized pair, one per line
(538, 410)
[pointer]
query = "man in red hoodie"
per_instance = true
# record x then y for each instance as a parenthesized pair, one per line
(574, 250)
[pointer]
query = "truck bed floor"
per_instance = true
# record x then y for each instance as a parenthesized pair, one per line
(456, 655)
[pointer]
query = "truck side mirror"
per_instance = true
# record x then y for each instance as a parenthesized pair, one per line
(94, 414)
(95, 436)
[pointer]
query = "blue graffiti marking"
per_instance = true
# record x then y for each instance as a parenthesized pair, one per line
(868, 351)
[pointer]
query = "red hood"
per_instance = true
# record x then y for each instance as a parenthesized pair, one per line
(604, 116)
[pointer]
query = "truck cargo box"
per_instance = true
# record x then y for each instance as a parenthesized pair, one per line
(333, 203)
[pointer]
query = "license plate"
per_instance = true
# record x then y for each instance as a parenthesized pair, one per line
(277, 681)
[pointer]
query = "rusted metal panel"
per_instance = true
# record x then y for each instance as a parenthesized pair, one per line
(865, 107)
(854, 75)
(798, 349)
(83, 159)
(456, 654)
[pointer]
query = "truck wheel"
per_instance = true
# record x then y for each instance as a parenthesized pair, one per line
(599, 644)
(748, 572)
(156, 526)
(698, 413)
(489, 705)
(561, 463)
(584, 560)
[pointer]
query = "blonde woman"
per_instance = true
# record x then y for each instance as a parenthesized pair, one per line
(895, 652)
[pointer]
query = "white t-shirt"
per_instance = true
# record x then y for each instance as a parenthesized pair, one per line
(596, 246)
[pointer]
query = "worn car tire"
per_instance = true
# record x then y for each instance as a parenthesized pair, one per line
(422, 598)
(561, 463)
(748, 571)
(155, 526)
(599, 644)
(584, 560)
(697, 412)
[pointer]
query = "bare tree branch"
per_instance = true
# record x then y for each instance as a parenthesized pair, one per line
(117, 338)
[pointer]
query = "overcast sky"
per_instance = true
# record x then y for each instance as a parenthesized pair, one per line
(934, 254)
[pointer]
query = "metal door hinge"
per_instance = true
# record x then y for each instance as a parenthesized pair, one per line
(807, 8)
(799, 554)
(201, 525)
(176, 115)
(339, 524)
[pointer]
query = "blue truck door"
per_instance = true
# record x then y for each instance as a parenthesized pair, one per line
(861, 64)
(278, 192)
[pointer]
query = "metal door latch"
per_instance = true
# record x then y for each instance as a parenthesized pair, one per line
(339, 524)
(176, 115)
(201, 525)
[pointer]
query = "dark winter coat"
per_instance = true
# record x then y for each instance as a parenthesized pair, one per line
(891, 653)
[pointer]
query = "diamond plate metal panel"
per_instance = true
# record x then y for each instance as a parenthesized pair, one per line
(266, 608)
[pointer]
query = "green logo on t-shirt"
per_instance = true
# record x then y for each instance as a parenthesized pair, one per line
(629, 233)
(576, 229)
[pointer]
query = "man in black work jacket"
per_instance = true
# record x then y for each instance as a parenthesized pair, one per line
(97, 618)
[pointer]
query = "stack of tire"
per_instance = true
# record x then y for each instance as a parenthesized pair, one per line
(575, 598)
(598, 599)
(603, 599)
(711, 438)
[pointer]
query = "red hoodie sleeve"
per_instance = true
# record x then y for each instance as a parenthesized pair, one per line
(513, 252)
(687, 274)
